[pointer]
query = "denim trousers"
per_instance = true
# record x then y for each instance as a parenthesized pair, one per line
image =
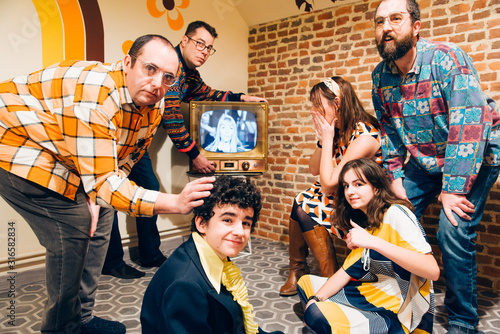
(73, 259)
(147, 232)
(457, 244)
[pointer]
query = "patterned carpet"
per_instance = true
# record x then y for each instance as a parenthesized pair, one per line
(264, 271)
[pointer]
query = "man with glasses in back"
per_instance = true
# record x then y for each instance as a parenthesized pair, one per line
(430, 104)
(69, 136)
(195, 48)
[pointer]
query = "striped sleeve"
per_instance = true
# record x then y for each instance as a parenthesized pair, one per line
(191, 87)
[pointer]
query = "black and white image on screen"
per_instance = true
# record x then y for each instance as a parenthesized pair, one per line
(228, 131)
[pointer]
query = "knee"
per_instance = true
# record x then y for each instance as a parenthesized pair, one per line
(315, 320)
(303, 281)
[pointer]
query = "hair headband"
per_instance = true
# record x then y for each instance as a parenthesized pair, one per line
(332, 86)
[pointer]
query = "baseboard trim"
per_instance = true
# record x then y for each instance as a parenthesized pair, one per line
(31, 261)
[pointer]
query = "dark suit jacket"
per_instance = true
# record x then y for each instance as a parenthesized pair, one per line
(180, 299)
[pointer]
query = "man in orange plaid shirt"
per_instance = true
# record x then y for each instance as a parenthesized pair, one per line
(69, 136)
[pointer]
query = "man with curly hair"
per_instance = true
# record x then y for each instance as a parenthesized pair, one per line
(198, 289)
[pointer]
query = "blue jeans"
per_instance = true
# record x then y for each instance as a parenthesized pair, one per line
(457, 244)
(147, 232)
(73, 259)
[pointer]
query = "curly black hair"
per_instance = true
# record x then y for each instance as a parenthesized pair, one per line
(232, 191)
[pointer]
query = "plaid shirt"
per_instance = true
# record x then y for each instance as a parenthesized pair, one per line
(75, 122)
(439, 114)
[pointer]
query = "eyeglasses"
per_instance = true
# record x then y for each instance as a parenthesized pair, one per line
(201, 46)
(395, 19)
(152, 71)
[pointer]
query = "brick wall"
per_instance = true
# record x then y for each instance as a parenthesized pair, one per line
(289, 56)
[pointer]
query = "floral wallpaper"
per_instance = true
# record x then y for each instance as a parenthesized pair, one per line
(175, 21)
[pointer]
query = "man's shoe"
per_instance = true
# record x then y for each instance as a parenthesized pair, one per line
(100, 326)
(462, 330)
(124, 271)
(156, 263)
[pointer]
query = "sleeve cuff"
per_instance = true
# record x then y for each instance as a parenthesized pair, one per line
(456, 185)
(397, 174)
(234, 97)
(147, 203)
(193, 153)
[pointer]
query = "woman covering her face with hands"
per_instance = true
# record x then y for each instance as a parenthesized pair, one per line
(384, 285)
(344, 131)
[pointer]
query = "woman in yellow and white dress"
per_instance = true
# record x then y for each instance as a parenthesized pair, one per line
(384, 285)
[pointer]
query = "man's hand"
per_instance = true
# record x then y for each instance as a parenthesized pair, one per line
(398, 189)
(193, 193)
(457, 203)
(94, 213)
(190, 197)
(203, 165)
(249, 98)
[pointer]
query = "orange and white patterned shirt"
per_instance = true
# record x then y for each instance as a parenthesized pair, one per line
(75, 122)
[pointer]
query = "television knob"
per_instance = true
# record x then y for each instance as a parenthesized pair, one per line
(245, 165)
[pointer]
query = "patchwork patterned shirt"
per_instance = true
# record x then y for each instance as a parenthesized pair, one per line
(75, 122)
(190, 88)
(439, 114)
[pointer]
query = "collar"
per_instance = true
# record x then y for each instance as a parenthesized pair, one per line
(118, 76)
(181, 58)
(421, 46)
(211, 263)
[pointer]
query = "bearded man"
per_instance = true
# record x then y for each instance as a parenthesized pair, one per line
(430, 104)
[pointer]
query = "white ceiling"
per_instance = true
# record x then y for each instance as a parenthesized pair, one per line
(255, 12)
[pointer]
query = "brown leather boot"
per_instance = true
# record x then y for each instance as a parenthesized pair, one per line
(297, 250)
(321, 245)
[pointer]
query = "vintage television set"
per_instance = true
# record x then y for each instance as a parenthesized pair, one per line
(231, 134)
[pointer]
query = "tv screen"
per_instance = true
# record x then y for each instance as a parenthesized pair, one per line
(232, 135)
(228, 131)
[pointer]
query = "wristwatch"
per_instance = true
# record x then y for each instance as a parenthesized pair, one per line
(316, 298)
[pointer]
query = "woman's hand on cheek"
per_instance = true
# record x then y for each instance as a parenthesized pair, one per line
(358, 237)
(316, 126)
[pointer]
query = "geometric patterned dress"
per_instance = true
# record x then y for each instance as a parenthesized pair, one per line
(319, 206)
(381, 297)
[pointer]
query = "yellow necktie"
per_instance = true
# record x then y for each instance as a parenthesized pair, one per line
(232, 280)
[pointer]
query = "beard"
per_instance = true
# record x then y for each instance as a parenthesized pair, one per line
(401, 47)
